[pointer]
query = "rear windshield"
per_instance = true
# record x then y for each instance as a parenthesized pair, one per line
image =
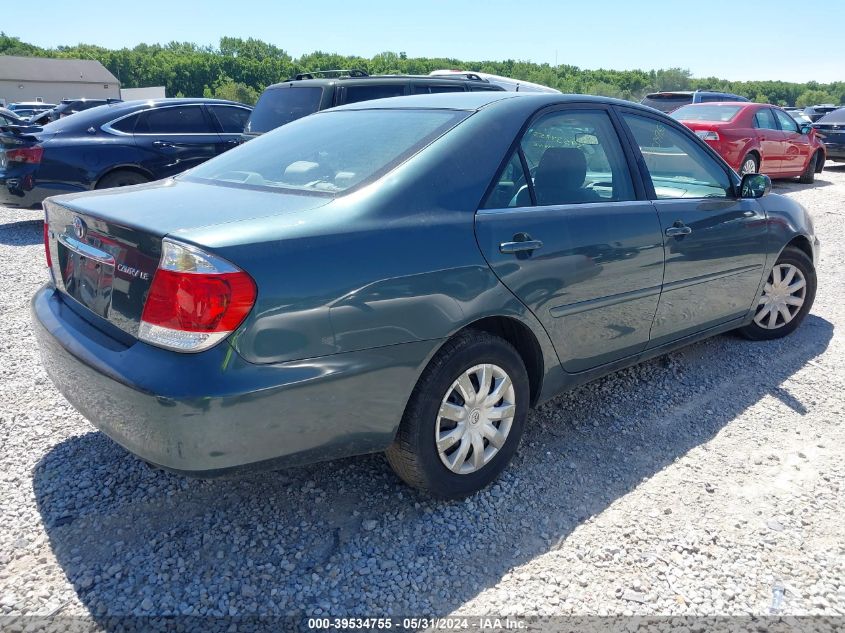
(666, 103)
(706, 113)
(92, 117)
(278, 106)
(330, 153)
(837, 116)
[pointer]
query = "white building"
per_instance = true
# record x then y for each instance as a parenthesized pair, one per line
(51, 80)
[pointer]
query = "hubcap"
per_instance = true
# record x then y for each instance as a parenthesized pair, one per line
(749, 167)
(475, 418)
(783, 296)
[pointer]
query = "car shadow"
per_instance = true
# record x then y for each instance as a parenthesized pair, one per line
(22, 233)
(341, 538)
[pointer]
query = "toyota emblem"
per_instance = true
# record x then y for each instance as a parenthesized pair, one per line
(79, 227)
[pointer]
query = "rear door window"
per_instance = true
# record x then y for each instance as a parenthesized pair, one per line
(126, 125)
(765, 120)
(355, 94)
(174, 120)
(277, 106)
(231, 119)
(575, 156)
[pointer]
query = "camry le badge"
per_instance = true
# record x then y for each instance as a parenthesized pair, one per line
(78, 228)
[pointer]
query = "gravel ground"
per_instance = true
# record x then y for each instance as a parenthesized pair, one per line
(706, 482)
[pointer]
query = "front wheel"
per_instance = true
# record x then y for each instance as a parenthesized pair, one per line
(465, 417)
(787, 297)
(808, 176)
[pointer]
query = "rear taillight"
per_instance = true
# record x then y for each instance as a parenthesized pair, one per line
(25, 154)
(47, 243)
(707, 135)
(196, 299)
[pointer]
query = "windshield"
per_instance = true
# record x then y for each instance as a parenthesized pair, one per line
(666, 102)
(329, 153)
(706, 113)
(278, 106)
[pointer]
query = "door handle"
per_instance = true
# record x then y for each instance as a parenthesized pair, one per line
(520, 245)
(678, 230)
(162, 144)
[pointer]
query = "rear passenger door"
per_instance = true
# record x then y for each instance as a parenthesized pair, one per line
(714, 242)
(174, 138)
(569, 231)
(231, 121)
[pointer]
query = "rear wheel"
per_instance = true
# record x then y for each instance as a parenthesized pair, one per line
(787, 297)
(750, 165)
(808, 176)
(465, 417)
(121, 178)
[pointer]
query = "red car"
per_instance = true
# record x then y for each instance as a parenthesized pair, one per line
(756, 137)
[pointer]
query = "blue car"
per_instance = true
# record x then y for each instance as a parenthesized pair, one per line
(407, 275)
(124, 143)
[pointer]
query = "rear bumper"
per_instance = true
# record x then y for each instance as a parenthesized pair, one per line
(835, 151)
(26, 190)
(213, 413)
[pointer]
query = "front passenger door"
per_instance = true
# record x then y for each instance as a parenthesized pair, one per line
(172, 139)
(796, 146)
(714, 242)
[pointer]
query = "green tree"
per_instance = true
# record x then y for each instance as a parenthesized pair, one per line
(814, 97)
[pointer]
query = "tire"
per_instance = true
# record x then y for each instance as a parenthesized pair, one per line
(808, 176)
(762, 328)
(121, 178)
(745, 166)
(414, 454)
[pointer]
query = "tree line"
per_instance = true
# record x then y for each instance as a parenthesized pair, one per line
(240, 69)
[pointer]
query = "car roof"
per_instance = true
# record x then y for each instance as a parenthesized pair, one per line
(375, 79)
(479, 100)
(172, 101)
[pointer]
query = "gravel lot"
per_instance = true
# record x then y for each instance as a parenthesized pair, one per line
(706, 482)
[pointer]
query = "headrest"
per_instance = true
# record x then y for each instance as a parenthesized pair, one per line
(561, 168)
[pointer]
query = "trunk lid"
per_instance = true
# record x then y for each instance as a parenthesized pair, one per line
(105, 246)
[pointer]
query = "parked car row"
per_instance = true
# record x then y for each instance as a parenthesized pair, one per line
(96, 144)
(408, 275)
(56, 150)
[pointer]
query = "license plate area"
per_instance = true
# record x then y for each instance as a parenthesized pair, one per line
(87, 274)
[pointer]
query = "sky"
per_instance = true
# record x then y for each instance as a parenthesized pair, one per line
(761, 39)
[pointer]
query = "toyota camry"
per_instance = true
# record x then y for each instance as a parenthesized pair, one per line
(409, 276)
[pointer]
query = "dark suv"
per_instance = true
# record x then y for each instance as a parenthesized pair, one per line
(307, 93)
(671, 101)
(68, 107)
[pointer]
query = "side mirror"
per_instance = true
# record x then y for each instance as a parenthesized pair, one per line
(805, 129)
(755, 186)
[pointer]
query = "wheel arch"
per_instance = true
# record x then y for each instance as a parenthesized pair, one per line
(130, 167)
(523, 340)
(802, 243)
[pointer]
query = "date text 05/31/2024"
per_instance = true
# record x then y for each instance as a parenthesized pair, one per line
(414, 624)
